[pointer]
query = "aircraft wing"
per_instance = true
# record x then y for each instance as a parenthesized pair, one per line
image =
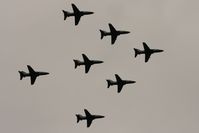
(89, 122)
(113, 38)
(119, 83)
(87, 68)
(146, 47)
(30, 69)
(112, 29)
(32, 79)
(77, 19)
(32, 73)
(118, 78)
(147, 51)
(119, 88)
(75, 9)
(76, 12)
(113, 33)
(87, 63)
(147, 56)
(88, 115)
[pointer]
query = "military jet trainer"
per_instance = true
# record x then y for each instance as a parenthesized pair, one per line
(87, 62)
(89, 117)
(76, 13)
(32, 74)
(147, 51)
(119, 82)
(113, 33)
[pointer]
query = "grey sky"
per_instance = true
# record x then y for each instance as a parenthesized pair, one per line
(164, 98)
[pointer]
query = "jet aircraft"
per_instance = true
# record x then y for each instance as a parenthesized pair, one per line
(89, 117)
(119, 82)
(147, 51)
(113, 33)
(87, 62)
(76, 13)
(32, 74)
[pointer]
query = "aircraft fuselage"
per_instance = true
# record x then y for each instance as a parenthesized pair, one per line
(34, 74)
(151, 51)
(91, 62)
(115, 33)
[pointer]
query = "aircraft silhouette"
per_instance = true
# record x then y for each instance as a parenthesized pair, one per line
(32, 74)
(147, 51)
(119, 82)
(76, 13)
(113, 33)
(89, 117)
(87, 62)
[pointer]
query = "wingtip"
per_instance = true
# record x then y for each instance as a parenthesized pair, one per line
(116, 75)
(144, 43)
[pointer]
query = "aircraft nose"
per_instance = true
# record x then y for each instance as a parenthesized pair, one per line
(132, 81)
(89, 12)
(100, 61)
(46, 73)
(101, 116)
(161, 50)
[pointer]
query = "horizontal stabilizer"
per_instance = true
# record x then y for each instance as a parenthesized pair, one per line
(77, 63)
(22, 74)
(65, 14)
(102, 33)
(79, 117)
(137, 51)
(109, 83)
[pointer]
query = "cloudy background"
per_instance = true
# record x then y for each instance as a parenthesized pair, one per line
(164, 99)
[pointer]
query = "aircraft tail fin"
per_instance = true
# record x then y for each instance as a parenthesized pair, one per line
(137, 51)
(79, 117)
(22, 74)
(109, 83)
(103, 33)
(77, 63)
(65, 14)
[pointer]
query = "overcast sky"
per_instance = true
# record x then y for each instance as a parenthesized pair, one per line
(164, 98)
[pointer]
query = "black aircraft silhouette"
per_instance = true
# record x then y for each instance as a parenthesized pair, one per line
(32, 74)
(113, 33)
(147, 51)
(87, 62)
(89, 117)
(119, 82)
(76, 13)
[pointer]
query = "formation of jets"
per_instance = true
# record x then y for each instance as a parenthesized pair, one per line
(88, 63)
